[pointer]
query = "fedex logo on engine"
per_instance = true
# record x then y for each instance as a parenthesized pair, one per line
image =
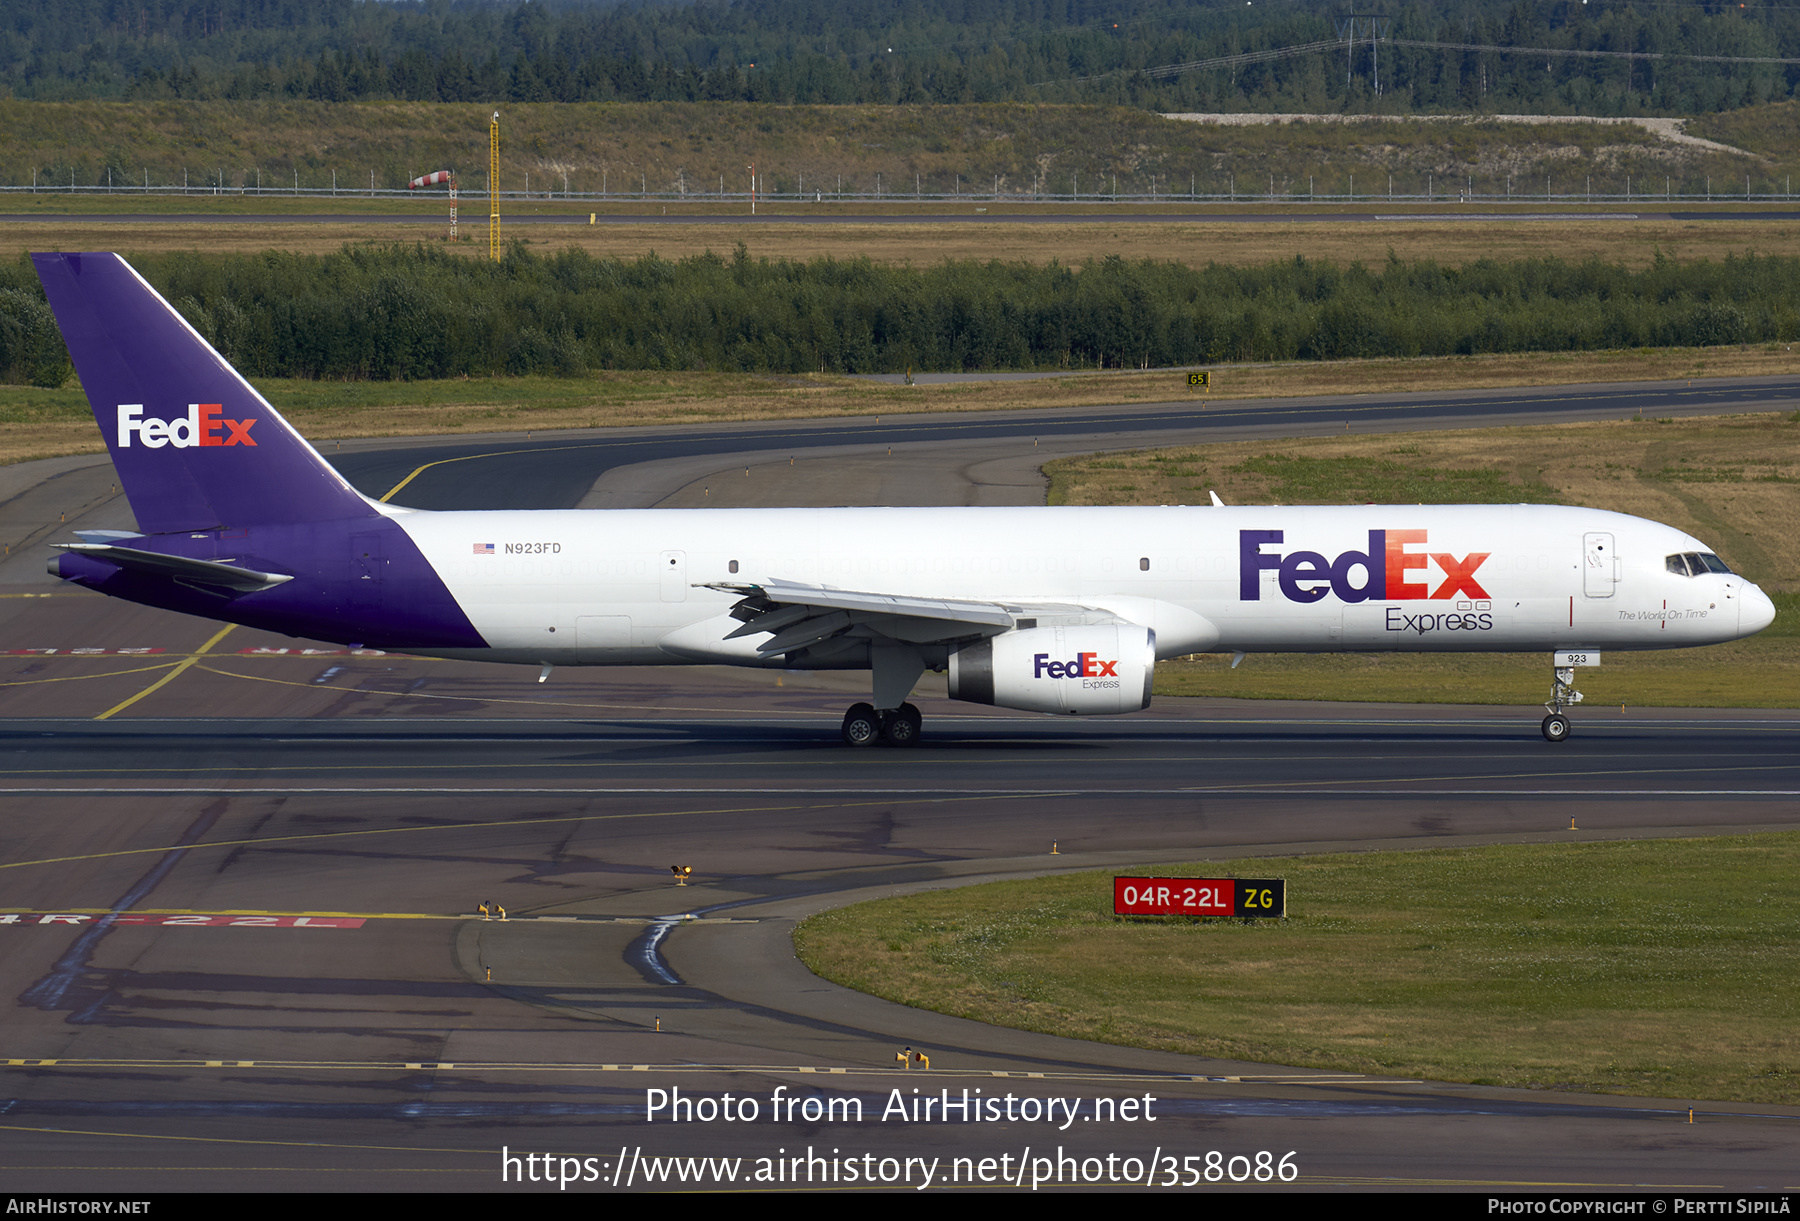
(1380, 574)
(203, 425)
(1083, 665)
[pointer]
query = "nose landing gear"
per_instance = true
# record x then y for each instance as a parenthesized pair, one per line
(1562, 691)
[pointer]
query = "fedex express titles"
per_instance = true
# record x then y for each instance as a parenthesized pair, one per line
(1388, 572)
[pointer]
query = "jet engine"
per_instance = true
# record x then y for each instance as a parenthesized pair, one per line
(1083, 670)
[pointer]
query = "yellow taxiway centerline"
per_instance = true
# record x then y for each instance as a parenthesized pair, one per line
(171, 676)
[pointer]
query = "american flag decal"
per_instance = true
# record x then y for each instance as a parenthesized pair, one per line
(484, 548)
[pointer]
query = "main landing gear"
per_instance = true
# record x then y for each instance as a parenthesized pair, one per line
(864, 726)
(1562, 691)
(894, 668)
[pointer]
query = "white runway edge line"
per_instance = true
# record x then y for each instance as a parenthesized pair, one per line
(924, 794)
(478, 1066)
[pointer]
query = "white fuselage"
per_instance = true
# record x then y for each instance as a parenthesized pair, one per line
(628, 587)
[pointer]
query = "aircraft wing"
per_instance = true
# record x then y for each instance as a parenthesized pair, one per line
(212, 573)
(797, 616)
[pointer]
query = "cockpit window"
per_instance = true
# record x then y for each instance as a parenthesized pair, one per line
(1695, 563)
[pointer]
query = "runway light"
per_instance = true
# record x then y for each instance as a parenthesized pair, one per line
(682, 873)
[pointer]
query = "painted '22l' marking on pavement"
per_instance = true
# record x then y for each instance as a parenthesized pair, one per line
(76, 918)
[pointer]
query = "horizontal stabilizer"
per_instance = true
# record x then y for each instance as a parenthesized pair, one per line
(193, 572)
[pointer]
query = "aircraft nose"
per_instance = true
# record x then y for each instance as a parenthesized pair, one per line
(1755, 610)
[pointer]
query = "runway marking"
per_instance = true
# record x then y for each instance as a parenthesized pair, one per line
(489, 699)
(688, 1067)
(818, 761)
(470, 826)
(498, 453)
(888, 794)
(79, 919)
(187, 918)
(545, 703)
(227, 1140)
(77, 652)
(171, 676)
(82, 678)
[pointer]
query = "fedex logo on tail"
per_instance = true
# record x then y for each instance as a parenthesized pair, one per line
(203, 425)
(1383, 573)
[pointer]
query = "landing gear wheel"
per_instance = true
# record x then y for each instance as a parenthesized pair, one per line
(1556, 727)
(861, 725)
(901, 726)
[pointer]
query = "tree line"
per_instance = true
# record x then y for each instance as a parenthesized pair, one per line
(409, 312)
(866, 51)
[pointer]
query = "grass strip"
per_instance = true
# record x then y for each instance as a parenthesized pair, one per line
(1659, 967)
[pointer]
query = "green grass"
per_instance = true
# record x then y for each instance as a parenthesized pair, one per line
(36, 405)
(1310, 479)
(1656, 967)
(664, 146)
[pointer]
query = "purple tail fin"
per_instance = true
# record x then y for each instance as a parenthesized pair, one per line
(195, 445)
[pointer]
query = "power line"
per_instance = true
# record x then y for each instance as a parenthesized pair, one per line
(1694, 59)
(1334, 44)
(1227, 61)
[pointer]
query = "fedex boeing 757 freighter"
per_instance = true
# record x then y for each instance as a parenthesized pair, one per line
(1062, 610)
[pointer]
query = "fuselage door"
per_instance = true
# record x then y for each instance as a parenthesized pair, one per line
(672, 566)
(1599, 566)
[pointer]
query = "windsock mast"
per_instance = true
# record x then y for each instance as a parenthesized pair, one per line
(431, 180)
